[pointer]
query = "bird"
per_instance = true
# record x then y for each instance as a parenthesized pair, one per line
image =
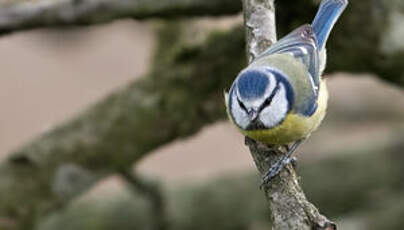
(280, 98)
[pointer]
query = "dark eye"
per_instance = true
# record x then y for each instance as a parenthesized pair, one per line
(267, 102)
(269, 99)
(242, 105)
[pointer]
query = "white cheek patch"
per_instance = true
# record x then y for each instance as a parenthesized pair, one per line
(239, 115)
(271, 85)
(273, 114)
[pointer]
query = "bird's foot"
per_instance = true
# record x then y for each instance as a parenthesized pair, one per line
(293, 161)
(276, 169)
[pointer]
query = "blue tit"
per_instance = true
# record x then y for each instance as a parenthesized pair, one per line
(280, 98)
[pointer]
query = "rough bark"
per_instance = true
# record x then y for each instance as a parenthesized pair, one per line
(175, 100)
(288, 204)
(259, 20)
(23, 15)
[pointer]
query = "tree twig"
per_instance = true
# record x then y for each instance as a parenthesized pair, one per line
(288, 204)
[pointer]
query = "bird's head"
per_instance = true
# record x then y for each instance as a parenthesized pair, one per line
(260, 98)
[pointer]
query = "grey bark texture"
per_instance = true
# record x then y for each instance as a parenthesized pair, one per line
(288, 204)
(259, 20)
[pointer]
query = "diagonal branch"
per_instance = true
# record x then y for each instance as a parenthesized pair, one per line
(175, 100)
(24, 15)
(288, 204)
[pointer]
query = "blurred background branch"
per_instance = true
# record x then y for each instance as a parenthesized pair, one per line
(175, 100)
(376, 47)
(360, 196)
(23, 15)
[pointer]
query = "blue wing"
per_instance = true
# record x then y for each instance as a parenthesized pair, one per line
(302, 44)
(326, 17)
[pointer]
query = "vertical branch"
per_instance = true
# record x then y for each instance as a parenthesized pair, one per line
(289, 206)
(259, 20)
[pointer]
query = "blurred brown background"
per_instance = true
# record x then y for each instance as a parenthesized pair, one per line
(49, 76)
(351, 167)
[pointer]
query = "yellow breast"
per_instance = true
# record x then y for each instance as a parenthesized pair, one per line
(295, 126)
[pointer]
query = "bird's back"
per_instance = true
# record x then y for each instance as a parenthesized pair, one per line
(305, 95)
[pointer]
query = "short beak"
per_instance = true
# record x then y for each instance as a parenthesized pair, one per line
(252, 114)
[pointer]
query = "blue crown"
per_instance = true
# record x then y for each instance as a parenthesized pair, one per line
(252, 84)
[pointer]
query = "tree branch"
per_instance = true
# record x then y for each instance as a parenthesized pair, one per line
(377, 49)
(23, 15)
(259, 21)
(288, 204)
(175, 100)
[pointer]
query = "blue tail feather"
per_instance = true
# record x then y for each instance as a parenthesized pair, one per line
(326, 17)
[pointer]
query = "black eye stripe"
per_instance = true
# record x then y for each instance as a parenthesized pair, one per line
(242, 105)
(270, 98)
(266, 102)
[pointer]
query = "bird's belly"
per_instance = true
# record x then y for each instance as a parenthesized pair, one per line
(294, 127)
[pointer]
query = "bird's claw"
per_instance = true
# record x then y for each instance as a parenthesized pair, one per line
(293, 161)
(275, 170)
